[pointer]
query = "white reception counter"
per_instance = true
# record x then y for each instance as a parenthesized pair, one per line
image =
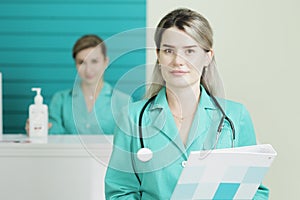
(66, 167)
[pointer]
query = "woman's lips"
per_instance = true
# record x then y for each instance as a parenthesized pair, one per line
(89, 76)
(179, 72)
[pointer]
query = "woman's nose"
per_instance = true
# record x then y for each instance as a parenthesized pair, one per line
(178, 59)
(87, 67)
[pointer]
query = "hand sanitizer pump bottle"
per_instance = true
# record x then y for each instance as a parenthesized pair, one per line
(38, 116)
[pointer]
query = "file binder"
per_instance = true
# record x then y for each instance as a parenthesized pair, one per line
(233, 173)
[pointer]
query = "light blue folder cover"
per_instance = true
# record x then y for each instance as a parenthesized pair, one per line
(233, 173)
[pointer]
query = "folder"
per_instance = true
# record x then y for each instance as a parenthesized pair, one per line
(232, 173)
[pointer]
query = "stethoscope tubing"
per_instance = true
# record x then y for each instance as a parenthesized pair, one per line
(220, 126)
(141, 118)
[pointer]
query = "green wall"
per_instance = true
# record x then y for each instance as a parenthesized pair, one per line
(36, 40)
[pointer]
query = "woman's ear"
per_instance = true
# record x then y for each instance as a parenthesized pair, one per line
(209, 57)
(211, 53)
(106, 61)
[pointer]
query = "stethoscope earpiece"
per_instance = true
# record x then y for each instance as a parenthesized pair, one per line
(144, 154)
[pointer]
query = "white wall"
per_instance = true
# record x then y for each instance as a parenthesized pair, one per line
(257, 45)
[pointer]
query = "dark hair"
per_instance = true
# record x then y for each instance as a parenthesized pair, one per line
(88, 41)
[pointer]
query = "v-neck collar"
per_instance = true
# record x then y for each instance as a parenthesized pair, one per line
(164, 121)
(78, 96)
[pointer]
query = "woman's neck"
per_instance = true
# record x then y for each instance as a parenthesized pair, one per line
(183, 102)
(90, 93)
(91, 89)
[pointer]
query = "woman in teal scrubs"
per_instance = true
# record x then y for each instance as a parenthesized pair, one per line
(183, 117)
(92, 105)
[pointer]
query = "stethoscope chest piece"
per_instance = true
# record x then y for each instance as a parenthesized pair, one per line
(144, 154)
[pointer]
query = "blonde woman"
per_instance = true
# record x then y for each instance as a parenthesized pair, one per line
(184, 113)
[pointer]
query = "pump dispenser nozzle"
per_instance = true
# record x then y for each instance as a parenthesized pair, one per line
(38, 99)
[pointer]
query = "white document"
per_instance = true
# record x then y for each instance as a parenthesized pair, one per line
(233, 173)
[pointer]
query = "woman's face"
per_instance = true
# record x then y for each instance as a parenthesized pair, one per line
(91, 64)
(181, 58)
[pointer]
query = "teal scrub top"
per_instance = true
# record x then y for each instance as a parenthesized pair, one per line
(69, 115)
(129, 178)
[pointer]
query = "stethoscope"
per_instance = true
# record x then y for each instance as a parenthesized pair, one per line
(145, 154)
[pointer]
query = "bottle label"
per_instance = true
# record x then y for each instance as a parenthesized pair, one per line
(38, 123)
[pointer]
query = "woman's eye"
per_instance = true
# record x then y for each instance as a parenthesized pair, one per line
(79, 62)
(190, 51)
(168, 51)
(94, 61)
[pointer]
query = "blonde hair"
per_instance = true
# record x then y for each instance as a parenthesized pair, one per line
(196, 26)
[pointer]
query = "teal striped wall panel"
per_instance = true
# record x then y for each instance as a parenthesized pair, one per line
(36, 41)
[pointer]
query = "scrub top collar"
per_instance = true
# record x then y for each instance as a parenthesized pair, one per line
(200, 125)
(78, 98)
